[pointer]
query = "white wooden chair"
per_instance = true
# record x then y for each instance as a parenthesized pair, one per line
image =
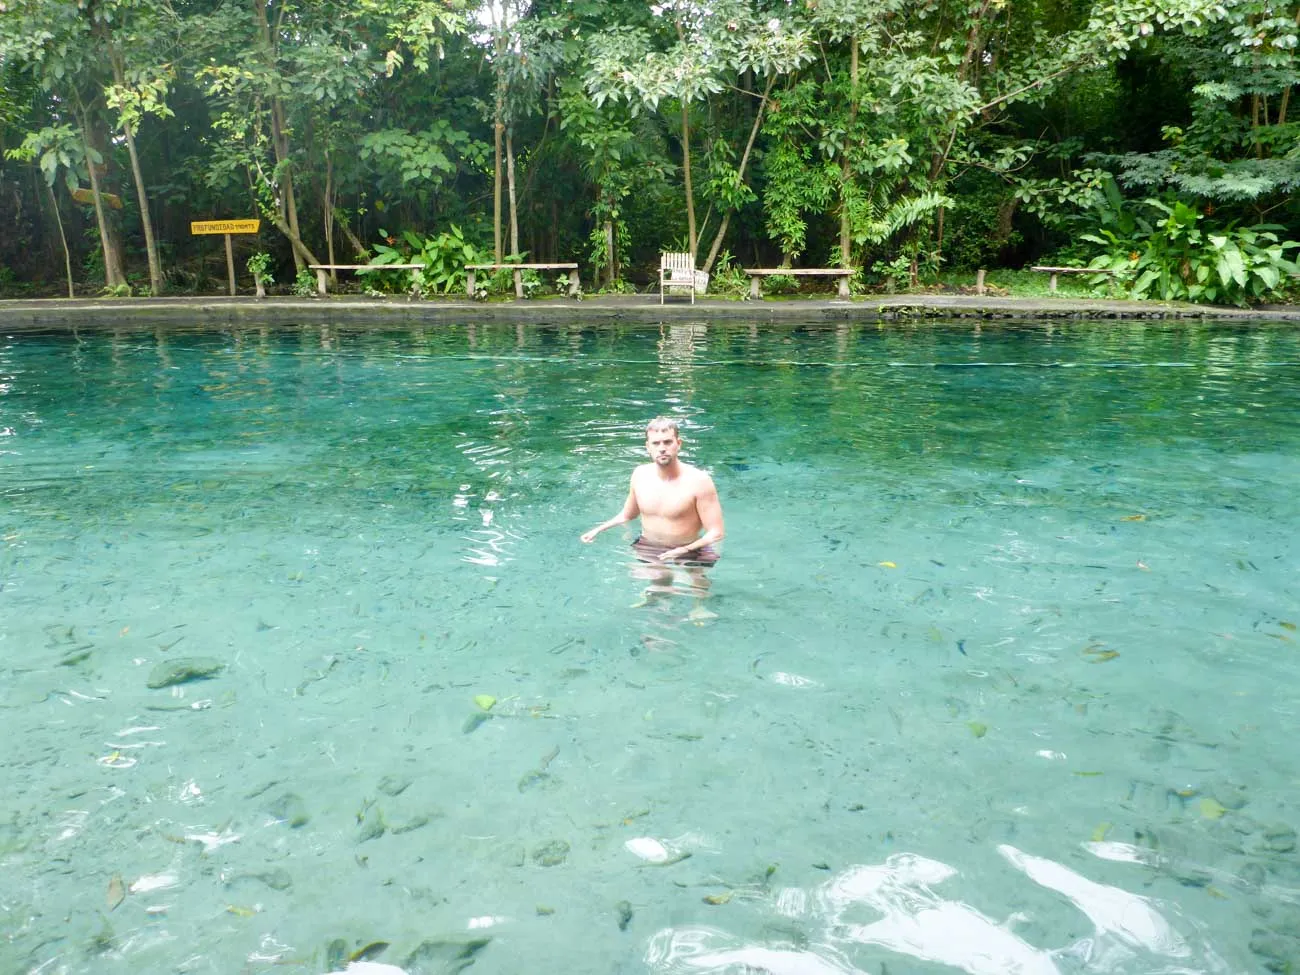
(677, 270)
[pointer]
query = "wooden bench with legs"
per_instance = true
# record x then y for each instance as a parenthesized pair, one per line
(1054, 271)
(574, 285)
(756, 275)
(322, 279)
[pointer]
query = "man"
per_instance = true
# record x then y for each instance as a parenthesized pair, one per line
(681, 517)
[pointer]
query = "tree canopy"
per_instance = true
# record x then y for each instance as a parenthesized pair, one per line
(895, 137)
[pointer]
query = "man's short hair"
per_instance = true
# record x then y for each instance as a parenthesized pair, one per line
(662, 423)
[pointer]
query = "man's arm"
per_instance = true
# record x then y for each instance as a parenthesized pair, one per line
(709, 508)
(630, 510)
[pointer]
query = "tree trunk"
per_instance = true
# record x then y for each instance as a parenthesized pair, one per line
(354, 240)
(146, 222)
(63, 238)
(498, 130)
(328, 216)
(846, 171)
(611, 254)
(740, 172)
(288, 203)
(510, 178)
(113, 276)
(686, 175)
(302, 254)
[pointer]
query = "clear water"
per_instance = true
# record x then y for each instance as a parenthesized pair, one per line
(1004, 678)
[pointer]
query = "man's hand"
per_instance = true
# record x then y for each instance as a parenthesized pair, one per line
(674, 553)
(590, 536)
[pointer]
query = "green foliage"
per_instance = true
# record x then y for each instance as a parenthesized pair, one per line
(619, 286)
(259, 266)
(430, 156)
(598, 251)
(1160, 250)
(729, 279)
(443, 258)
(55, 148)
(304, 283)
(979, 226)
(876, 115)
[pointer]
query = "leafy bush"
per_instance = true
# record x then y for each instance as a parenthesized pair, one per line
(304, 283)
(729, 279)
(443, 258)
(1160, 250)
(980, 228)
(259, 266)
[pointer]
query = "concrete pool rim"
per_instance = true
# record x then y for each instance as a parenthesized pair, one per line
(47, 313)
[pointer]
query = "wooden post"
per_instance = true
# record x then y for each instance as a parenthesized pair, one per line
(226, 228)
(979, 281)
(230, 265)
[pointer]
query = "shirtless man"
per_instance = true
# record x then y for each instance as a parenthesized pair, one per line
(681, 517)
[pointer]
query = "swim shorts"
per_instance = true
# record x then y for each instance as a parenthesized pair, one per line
(651, 552)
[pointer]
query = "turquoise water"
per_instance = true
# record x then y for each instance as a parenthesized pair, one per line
(1004, 676)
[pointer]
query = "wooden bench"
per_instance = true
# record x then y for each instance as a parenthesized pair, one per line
(1054, 271)
(322, 279)
(677, 270)
(756, 274)
(574, 285)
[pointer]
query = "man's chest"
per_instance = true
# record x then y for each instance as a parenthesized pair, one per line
(666, 500)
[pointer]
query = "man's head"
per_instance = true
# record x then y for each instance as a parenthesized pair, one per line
(662, 441)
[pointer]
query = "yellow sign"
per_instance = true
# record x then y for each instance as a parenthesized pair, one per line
(224, 226)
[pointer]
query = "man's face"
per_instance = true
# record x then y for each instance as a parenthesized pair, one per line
(662, 446)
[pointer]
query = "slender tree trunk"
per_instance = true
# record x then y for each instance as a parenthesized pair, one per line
(150, 245)
(498, 130)
(302, 254)
(740, 172)
(510, 177)
(1282, 107)
(113, 276)
(686, 176)
(358, 247)
(288, 201)
(496, 191)
(328, 215)
(846, 170)
(611, 253)
(63, 238)
(146, 221)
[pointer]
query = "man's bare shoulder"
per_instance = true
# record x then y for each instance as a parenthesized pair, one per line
(699, 478)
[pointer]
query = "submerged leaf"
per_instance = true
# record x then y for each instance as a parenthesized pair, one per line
(116, 891)
(1212, 809)
(485, 701)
